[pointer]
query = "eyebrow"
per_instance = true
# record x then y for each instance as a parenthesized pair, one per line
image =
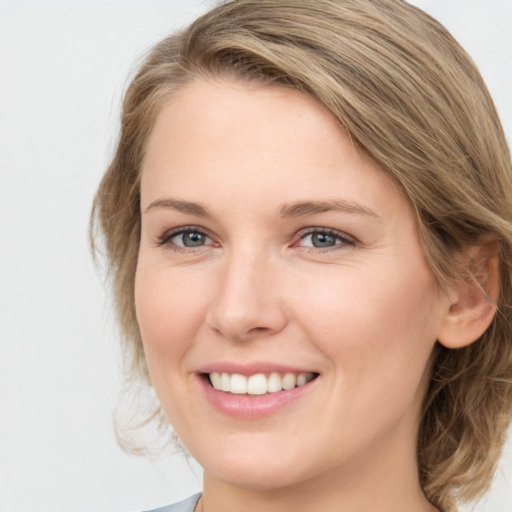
(286, 210)
(312, 207)
(180, 206)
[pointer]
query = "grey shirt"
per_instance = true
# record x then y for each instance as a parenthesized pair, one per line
(187, 505)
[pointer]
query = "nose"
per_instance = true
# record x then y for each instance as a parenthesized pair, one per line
(247, 303)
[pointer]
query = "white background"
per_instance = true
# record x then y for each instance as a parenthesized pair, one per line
(63, 67)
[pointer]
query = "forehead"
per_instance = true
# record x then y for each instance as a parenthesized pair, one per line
(220, 138)
(231, 112)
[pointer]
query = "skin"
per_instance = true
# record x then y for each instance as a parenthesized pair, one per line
(363, 313)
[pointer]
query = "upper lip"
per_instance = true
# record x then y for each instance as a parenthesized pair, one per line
(253, 368)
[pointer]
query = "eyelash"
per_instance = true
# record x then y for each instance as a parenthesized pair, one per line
(343, 239)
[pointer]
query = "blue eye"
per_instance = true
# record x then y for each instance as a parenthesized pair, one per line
(324, 239)
(184, 238)
(190, 239)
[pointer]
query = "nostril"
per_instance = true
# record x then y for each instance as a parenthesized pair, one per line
(259, 329)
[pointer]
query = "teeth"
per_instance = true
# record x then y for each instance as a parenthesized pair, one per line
(274, 383)
(216, 380)
(258, 384)
(302, 378)
(238, 384)
(225, 382)
(289, 381)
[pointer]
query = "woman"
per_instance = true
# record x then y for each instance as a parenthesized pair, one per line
(309, 224)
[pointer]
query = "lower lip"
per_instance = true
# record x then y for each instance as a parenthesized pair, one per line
(252, 406)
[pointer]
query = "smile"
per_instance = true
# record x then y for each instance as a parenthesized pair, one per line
(259, 383)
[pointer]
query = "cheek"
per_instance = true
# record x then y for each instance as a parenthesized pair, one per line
(352, 303)
(377, 329)
(168, 312)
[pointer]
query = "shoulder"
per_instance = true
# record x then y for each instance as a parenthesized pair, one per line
(187, 505)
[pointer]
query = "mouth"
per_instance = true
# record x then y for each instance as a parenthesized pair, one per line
(258, 384)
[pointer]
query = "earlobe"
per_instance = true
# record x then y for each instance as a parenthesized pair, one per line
(473, 301)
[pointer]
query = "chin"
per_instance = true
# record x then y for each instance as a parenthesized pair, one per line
(260, 478)
(256, 470)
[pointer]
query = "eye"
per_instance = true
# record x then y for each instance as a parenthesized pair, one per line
(190, 239)
(324, 239)
(185, 238)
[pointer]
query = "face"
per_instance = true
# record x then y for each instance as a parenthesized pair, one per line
(286, 307)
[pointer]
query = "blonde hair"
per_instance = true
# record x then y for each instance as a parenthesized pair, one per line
(410, 96)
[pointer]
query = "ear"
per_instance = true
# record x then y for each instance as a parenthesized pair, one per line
(473, 301)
